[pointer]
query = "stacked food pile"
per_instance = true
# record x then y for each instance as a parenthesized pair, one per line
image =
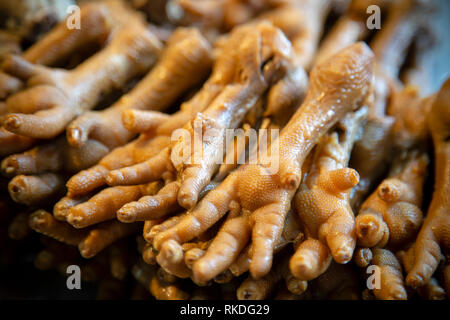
(98, 138)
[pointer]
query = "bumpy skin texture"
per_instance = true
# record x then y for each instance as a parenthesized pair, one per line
(90, 241)
(376, 145)
(263, 196)
(391, 45)
(391, 278)
(323, 203)
(291, 235)
(410, 111)
(55, 255)
(30, 18)
(261, 59)
(54, 156)
(186, 52)
(9, 84)
(151, 143)
(349, 28)
(61, 41)
(362, 257)
(262, 288)
(185, 61)
(431, 290)
(10, 44)
(446, 279)
(179, 259)
(175, 259)
(345, 32)
(392, 214)
(43, 222)
(36, 189)
(119, 259)
(220, 15)
(302, 23)
(18, 228)
(55, 97)
(434, 236)
(146, 145)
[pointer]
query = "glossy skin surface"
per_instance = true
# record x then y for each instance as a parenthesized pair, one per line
(261, 59)
(391, 282)
(151, 143)
(391, 215)
(52, 109)
(323, 203)
(434, 236)
(183, 64)
(265, 198)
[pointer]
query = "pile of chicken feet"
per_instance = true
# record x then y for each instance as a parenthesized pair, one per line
(97, 124)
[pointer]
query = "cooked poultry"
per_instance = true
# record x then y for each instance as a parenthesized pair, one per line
(226, 149)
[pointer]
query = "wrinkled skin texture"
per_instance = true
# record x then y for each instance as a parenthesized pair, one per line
(184, 62)
(391, 215)
(345, 32)
(98, 25)
(222, 229)
(219, 15)
(147, 276)
(302, 24)
(151, 143)
(410, 111)
(147, 147)
(264, 197)
(104, 205)
(391, 278)
(57, 96)
(323, 204)
(261, 59)
(339, 282)
(61, 41)
(349, 28)
(431, 290)
(434, 237)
